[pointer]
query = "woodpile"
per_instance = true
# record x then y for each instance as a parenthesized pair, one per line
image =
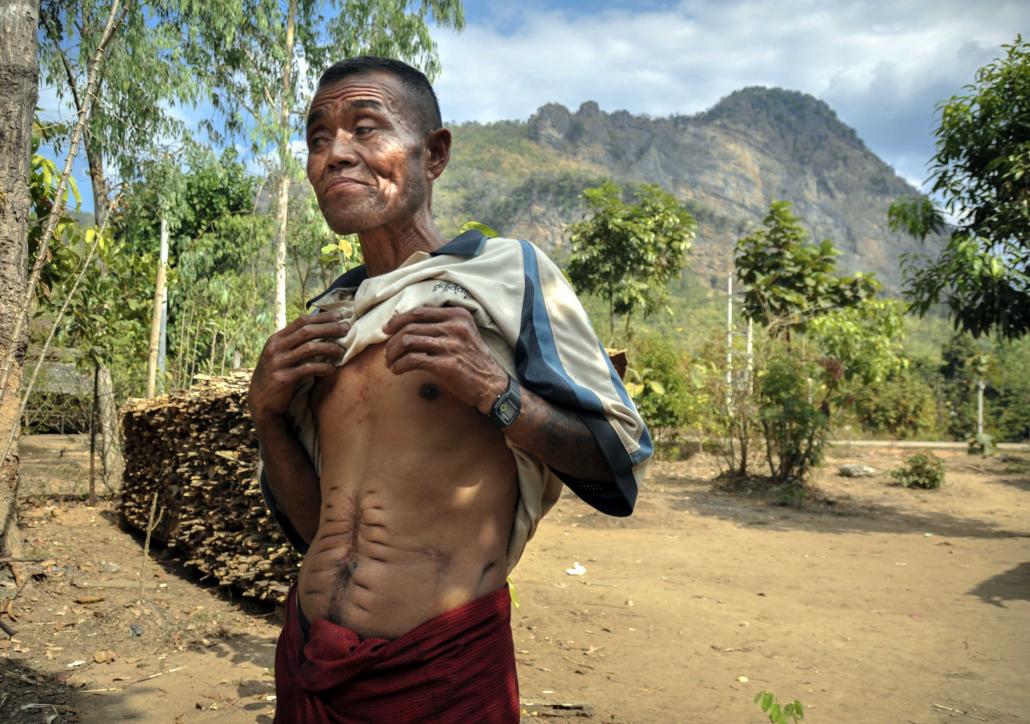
(197, 449)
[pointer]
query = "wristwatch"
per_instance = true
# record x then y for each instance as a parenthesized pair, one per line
(507, 406)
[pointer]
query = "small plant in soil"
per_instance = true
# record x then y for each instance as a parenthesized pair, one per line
(778, 713)
(922, 470)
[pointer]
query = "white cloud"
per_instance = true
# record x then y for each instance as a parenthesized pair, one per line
(881, 65)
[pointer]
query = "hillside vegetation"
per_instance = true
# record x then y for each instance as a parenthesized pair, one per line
(727, 164)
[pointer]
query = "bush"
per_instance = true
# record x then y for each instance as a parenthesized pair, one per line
(903, 406)
(922, 470)
(795, 427)
(982, 444)
(659, 382)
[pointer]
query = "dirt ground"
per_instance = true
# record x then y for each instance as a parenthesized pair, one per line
(876, 604)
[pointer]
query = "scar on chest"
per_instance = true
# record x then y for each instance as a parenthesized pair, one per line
(429, 391)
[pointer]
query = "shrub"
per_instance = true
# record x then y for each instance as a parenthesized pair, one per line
(790, 713)
(982, 444)
(795, 427)
(660, 384)
(902, 406)
(922, 470)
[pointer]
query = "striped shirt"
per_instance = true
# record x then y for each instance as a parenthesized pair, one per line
(530, 318)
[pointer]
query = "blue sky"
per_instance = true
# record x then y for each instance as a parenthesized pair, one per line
(882, 66)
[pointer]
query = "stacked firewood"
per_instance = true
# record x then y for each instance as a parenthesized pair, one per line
(197, 450)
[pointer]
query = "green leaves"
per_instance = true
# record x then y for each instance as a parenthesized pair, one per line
(482, 228)
(779, 714)
(866, 339)
(980, 170)
(789, 280)
(629, 252)
(915, 216)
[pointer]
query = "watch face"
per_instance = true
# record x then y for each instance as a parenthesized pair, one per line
(506, 411)
(507, 406)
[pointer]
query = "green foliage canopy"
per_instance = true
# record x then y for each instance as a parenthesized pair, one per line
(155, 62)
(864, 340)
(789, 280)
(981, 170)
(629, 252)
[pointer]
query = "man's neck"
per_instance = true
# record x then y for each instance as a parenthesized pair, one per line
(387, 247)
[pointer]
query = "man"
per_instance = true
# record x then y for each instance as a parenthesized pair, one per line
(417, 427)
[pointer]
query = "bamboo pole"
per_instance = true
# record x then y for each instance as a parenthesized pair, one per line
(153, 361)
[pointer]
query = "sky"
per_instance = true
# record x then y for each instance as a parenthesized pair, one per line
(881, 65)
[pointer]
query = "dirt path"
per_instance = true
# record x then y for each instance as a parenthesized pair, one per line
(890, 605)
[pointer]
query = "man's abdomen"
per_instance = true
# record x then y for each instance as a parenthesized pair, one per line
(418, 497)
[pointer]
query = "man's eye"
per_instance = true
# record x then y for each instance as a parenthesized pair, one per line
(363, 130)
(317, 141)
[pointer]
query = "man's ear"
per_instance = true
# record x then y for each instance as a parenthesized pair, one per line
(438, 152)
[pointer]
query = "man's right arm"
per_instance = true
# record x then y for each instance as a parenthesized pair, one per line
(290, 477)
(297, 352)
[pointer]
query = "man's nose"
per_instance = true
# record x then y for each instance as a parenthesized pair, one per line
(341, 152)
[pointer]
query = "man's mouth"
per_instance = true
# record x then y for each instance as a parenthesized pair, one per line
(343, 182)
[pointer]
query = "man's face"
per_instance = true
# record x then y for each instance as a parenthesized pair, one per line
(366, 153)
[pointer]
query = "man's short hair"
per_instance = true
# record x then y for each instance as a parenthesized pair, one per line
(413, 80)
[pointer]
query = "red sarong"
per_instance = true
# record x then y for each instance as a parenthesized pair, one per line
(457, 667)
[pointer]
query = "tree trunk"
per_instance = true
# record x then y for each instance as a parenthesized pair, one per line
(95, 160)
(110, 431)
(283, 197)
(155, 320)
(19, 78)
(93, 436)
(13, 12)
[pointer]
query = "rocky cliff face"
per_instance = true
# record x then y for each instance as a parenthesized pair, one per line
(728, 163)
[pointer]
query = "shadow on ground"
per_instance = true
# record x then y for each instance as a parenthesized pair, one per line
(173, 562)
(35, 696)
(1012, 585)
(841, 514)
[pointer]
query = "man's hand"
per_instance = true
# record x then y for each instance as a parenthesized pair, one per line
(289, 358)
(446, 342)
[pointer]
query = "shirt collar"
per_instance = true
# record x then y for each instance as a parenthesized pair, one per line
(468, 244)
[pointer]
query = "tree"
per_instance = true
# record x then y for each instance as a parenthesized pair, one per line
(629, 252)
(846, 337)
(218, 280)
(981, 171)
(316, 254)
(18, 74)
(789, 280)
(860, 343)
(157, 63)
(274, 54)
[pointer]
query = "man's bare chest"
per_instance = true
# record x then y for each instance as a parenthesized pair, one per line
(366, 392)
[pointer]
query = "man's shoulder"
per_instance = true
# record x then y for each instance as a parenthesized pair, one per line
(532, 258)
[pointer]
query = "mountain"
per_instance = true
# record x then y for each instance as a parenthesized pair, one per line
(727, 164)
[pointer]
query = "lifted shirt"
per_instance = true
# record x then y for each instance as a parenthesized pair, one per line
(531, 320)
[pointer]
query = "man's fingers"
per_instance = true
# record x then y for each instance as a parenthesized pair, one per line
(312, 369)
(414, 361)
(423, 315)
(322, 330)
(404, 344)
(306, 319)
(422, 329)
(314, 348)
